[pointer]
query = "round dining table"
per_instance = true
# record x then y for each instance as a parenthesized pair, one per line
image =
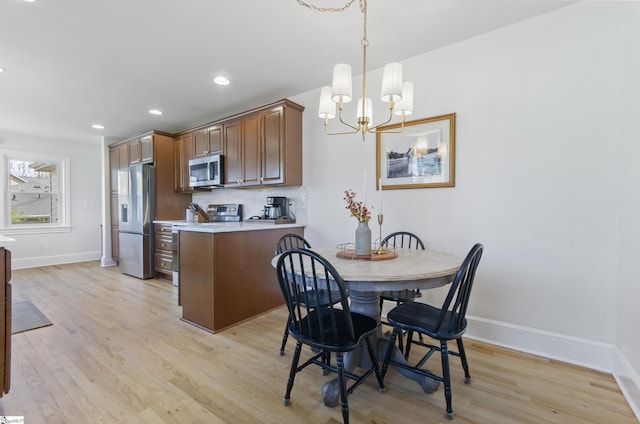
(366, 277)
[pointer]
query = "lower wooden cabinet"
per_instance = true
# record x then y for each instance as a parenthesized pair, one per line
(227, 278)
(163, 254)
(5, 321)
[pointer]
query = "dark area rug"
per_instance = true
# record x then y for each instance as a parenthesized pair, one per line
(26, 316)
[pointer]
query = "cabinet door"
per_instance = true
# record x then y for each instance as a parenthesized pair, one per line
(177, 164)
(214, 135)
(273, 146)
(146, 149)
(196, 270)
(183, 152)
(114, 164)
(251, 150)
(134, 152)
(200, 142)
(232, 150)
(123, 155)
(186, 154)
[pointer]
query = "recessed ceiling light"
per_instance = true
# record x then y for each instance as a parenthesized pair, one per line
(155, 112)
(97, 126)
(221, 81)
(29, 1)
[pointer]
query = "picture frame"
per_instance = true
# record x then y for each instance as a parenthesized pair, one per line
(420, 155)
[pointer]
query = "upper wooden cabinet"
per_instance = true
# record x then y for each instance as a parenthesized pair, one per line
(123, 155)
(264, 147)
(242, 151)
(114, 165)
(207, 141)
(141, 150)
(183, 149)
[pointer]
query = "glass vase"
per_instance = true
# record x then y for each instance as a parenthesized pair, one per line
(363, 239)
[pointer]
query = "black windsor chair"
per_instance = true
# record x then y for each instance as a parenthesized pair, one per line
(332, 327)
(400, 239)
(444, 324)
(288, 242)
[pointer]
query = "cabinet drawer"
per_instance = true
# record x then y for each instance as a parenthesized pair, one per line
(163, 244)
(162, 229)
(164, 263)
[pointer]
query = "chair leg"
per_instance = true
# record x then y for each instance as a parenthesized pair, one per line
(400, 341)
(376, 368)
(285, 336)
(390, 347)
(326, 359)
(408, 345)
(343, 388)
(446, 376)
(463, 359)
(292, 372)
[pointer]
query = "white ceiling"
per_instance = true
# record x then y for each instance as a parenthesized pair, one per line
(72, 63)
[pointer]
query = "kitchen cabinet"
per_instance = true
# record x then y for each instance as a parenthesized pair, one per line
(169, 205)
(141, 150)
(227, 277)
(264, 147)
(207, 141)
(183, 149)
(114, 165)
(281, 145)
(163, 254)
(242, 151)
(123, 156)
(5, 321)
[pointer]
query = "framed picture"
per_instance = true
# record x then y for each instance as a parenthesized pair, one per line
(421, 156)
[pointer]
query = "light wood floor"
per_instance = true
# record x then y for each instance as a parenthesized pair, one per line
(118, 353)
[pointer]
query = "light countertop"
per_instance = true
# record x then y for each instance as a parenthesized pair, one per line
(6, 241)
(226, 227)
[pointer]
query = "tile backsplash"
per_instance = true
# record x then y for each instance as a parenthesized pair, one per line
(253, 200)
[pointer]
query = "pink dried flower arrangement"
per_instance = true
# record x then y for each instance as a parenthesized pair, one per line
(357, 209)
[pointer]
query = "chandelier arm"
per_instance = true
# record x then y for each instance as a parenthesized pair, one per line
(326, 130)
(346, 123)
(388, 131)
(372, 128)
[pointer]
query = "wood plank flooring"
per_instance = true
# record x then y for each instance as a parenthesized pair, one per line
(118, 353)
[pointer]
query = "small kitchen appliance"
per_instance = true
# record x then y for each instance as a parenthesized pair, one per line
(228, 212)
(276, 207)
(276, 211)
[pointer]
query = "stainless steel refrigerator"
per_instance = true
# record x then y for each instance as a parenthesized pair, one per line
(136, 200)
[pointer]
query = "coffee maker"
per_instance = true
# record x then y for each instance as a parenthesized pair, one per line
(276, 208)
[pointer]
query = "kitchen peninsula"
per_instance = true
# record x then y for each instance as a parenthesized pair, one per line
(225, 272)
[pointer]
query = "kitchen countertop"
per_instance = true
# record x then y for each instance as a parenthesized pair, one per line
(226, 227)
(7, 242)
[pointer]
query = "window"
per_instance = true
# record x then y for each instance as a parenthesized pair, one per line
(36, 192)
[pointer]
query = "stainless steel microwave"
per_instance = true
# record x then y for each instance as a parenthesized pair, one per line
(207, 171)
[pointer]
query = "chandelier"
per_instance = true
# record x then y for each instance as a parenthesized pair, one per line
(396, 92)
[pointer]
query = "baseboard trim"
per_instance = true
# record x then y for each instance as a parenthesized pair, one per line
(628, 380)
(105, 262)
(583, 352)
(38, 261)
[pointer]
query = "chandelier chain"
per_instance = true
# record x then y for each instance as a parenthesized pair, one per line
(326, 9)
(363, 9)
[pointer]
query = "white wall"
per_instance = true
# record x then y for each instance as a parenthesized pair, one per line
(538, 179)
(627, 365)
(82, 243)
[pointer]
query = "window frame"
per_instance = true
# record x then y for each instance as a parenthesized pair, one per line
(63, 164)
